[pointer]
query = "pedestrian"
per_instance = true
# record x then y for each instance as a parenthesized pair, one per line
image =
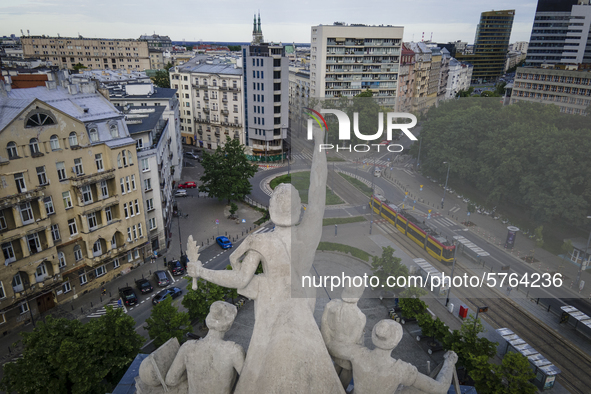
(509, 288)
(103, 290)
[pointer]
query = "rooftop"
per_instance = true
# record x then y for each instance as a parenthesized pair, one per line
(211, 65)
(142, 119)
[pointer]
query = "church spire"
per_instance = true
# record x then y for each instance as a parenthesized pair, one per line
(257, 32)
(254, 24)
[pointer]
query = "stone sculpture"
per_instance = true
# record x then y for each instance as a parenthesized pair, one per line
(211, 364)
(343, 322)
(152, 371)
(376, 372)
(286, 352)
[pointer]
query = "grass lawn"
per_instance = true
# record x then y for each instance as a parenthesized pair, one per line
(301, 181)
(355, 252)
(352, 219)
(363, 188)
(334, 158)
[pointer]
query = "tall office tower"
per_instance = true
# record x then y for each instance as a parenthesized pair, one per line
(348, 59)
(490, 45)
(266, 98)
(560, 34)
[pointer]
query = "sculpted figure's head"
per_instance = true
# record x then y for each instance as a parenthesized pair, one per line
(386, 334)
(221, 316)
(285, 205)
(352, 294)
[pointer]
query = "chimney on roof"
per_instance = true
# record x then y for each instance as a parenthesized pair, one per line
(51, 85)
(72, 89)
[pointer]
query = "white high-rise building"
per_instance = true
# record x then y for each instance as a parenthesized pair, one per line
(348, 59)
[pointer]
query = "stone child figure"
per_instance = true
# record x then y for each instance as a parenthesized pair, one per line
(211, 364)
(286, 353)
(376, 372)
(343, 322)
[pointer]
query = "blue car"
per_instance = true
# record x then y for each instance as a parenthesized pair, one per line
(224, 242)
(172, 292)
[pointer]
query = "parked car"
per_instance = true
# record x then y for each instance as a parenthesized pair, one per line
(180, 193)
(176, 267)
(172, 292)
(192, 155)
(187, 185)
(377, 172)
(144, 286)
(224, 242)
(161, 278)
(128, 296)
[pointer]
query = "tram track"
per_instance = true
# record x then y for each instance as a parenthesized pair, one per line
(504, 313)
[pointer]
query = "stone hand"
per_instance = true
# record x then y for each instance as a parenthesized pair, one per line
(194, 270)
(450, 357)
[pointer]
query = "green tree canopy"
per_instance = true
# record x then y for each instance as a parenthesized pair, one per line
(412, 308)
(512, 376)
(227, 172)
(388, 265)
(199, 301)
(161, 79)
(167, 322)
(66, 356)
(79, 66)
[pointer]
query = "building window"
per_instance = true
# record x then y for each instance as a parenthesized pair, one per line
(97, 249)
(55, 232)
(83, 279)
(33, 243)
(2, 292)
(77, 253)
(94, 137)
(12, 151)
(119, 161)
(20, 182)
(73, 228)
(137, 207)
(26, 213)
(9, 256)
(54, 142)
(125, 211)
(3, 224)
(66, 287)
(149, 204)
(129, 158)
(61, 170)
(147, 184)
(92, 224)
(48, 205)
(104, 189)
(73, 139)
(114, 131)
(108, 214)
(127, 184)
(139, 144)
(122, 183)
(41, 176)
(39, 119)
(115, 263)
(152, 223)
(78, 166)
(100, 271)
(67, 200)
(98, 159)
(133, 182)
(23, 308)
(145, 165)
(86, 194)
(61, 257)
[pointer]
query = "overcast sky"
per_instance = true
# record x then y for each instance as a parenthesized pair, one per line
(231, 20)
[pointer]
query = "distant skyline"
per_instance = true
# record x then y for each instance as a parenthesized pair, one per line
(231, 20)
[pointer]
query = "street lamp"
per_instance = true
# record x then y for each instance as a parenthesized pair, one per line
(453, 267)
(581, 266)
(446, 179)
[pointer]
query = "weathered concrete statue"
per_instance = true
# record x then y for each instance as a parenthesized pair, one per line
(211, 364)
(376, 372)
(286, 353)
(343, 322)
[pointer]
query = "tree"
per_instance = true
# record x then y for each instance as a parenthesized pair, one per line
(199, 301)
(233, 208)
(433, 328)
(411, 308)
(227, 172)
(161, 79)
(413, 292)
(167, 322)
(234, 48)
(388, 265)
(66, 356)
(567, 248)
(365, 93)
(512, 376)
(79, 66)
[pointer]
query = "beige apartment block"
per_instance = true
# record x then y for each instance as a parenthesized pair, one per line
(568, 89)
(70, 197)
(211, 102)
(93, 53)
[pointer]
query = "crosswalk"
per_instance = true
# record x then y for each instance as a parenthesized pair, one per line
(305, 155)
(263, 230)
(445, 222)
(455, 209)
(103, 311)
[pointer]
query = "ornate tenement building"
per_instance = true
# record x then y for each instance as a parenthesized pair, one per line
(71, 212)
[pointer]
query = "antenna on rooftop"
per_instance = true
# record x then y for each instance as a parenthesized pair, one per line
(423, 37)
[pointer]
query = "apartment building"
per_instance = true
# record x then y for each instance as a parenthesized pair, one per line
(458, 78)
(568, 89)
(209, 90)
(421, 99)
(93, 53)
(152, 134)
(434, 73)
(406, 80)
(155, 41)
(490, 45)
(299, 94)
(560, 34)
(68, 172)
(348, 59)
(266, 100)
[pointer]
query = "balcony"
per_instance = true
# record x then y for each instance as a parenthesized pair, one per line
(206, 98)
(206, 110)
(224, 100)
(234, 89)
(99, 205)
(225, 112)
(22, 197)
(201, 120)
(94, 178)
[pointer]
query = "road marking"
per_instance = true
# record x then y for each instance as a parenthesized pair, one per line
(171, 277)
(456, 209)
(142, 301)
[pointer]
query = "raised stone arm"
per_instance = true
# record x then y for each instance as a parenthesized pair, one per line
(237, 278)
(344, 350)
(442, 382)
(311, 225)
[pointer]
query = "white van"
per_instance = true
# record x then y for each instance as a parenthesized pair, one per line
(377, 172)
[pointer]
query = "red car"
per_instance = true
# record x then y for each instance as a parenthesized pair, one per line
(187, 185)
